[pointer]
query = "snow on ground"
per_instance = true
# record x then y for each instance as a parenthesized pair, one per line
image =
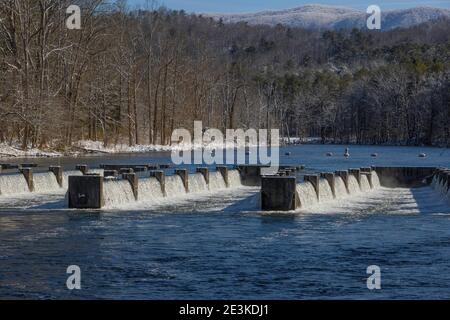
(89, 146)
(7, 151)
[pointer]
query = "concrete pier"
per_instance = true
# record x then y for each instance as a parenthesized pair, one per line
(314, 179)
(205, 172)
(83, 168)
(330, 177)
(134, 182)
(161, 177)
(28, 174)
(279, 193)
(224, 171)
(184, 174)
(86, 192)
(58, 172)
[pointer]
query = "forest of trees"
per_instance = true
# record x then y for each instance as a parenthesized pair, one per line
(133, 76)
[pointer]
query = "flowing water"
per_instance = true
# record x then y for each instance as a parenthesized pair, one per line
(325, 192)
(13, 184)
(219, 245)
(150, 190)
(339, 186)
(234, 178)
(375, 180)
(353, 186)
(307, 194)
(175, 186)
(216, 181)
(117, 193)
(45, 182)
(197, 183)
(365, 184)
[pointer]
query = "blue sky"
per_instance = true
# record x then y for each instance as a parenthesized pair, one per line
(233, 6)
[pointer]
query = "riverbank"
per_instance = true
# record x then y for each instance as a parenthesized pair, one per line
(85, 147)
(88, 147)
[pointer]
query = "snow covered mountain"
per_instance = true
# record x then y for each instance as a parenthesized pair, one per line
(330, 17)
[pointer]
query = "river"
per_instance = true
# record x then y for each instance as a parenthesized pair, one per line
(221, 246)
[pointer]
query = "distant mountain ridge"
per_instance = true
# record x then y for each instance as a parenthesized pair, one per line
(330, 17)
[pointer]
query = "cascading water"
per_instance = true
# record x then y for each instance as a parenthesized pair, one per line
(174, 186)
(365, 184)
(353, 186)
(325, 192)
(117, 192)
(216, 181)
(67, 174)
(197, 183)
(340, 189)
(234, 178)
(307, 194)
(375, 180)
(13, 184)
(45, 182)
(150, 190)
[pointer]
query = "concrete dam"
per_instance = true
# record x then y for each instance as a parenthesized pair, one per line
(285, 190)
(285, 193)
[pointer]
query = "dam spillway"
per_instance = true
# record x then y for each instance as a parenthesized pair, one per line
(94, 191)
(100, 188)
(284, 193)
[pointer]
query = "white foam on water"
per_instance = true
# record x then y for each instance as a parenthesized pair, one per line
(45, 182)
(13, 184)
(398, 201)
(365, 184)
(117, 193)
(325, 192)
(340, 189)
(216, 181)
(353, 185)
(307, 194)
(234, 200)
(150, 190)
(234, 178)
(67, 174)
(174, 186)
(197, 183)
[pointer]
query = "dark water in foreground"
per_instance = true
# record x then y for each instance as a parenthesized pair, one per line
(222, 247)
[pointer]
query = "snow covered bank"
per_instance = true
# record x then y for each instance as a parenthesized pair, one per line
(97, 147)
(14, 151)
